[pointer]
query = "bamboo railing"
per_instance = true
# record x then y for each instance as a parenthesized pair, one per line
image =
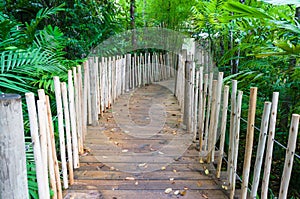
(199, 95)
(92, 88)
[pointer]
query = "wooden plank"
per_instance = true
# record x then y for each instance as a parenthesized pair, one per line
(158, 175)
(125, 194)
(145, 184)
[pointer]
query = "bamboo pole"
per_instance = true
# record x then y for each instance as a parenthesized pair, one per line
(43, 141)
(249, 141)
(34, 130)
(260, 148)
(79, 136)
(268, 159)
(200, 110)
(43, 120)
(187, 96)
(212, 121)
(85, 106)
(53, 148)
(231, 131)
(203, 112)
(68, 129)
(93, 92)
(196, 105)
(96, 68)
(192, 87)
(210, 82)
(80, 99)
(73, 120)
(87, 87)
(216, 118)
(61, 131)
(236, 142)
(50, 160)
(289, 157)
(127, 71)
(13, 173)
(223, 129)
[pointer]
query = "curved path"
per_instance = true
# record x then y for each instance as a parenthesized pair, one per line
(139, 150)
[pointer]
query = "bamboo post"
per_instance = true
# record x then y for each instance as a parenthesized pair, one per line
(30, 101)
(50, 159)
(249, 141)
(43, 141)
(223, 129)
(76, 98)
(268, 159)
(13, 173)
(200, 109)
(93, 92)
(87, 87)
(187, 96)
(73, 120)
(210, 82)
(80, 100)
(192, 87)
(109, 85)
(261, 148)
(216, 118)
(61, 131)
(236, 142)
(97, 85)
(127, 72)
(231, 130)
(68, 133)
(289, 157)
(203, 112)
(85, 108)
(53, 148)
(210, 144)
(196, 105)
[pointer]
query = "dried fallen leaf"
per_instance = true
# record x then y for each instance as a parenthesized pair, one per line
(129, 178)
(174, 170)
(201, 161)
(168, 190)
(206, 171)
(224, 187)
(182, 193)
(143, 165)
(199, 184)
(163, 168)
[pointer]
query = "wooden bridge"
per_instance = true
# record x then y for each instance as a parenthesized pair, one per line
(150, 126)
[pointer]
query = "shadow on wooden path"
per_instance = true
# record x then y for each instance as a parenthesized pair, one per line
(131, 156)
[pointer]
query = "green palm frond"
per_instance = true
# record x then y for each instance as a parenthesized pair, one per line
(242, 10)
(18, 68)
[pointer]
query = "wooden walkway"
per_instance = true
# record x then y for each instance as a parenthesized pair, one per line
(143, 158)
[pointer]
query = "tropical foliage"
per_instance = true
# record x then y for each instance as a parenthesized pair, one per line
(255, 42)
(258, 44)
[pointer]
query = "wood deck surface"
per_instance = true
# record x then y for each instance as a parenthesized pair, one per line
(138, 152)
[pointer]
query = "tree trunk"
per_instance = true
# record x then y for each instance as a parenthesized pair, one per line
(132, 22)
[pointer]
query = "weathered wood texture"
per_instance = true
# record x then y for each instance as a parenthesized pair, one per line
(13, 177)
(120, 165)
